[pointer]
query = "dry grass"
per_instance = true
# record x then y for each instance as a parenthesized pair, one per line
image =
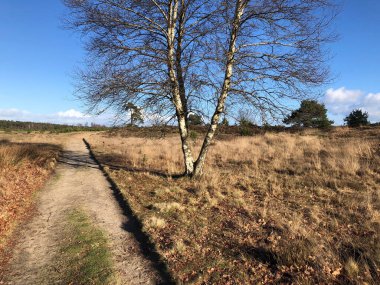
(24, 168)
(275, 208)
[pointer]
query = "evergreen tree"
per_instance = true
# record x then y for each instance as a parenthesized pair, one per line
(136, 116)
(357, 118)
(195, 119)
(311, 114)
(225, 122)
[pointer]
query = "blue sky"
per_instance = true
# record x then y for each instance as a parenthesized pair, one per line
(38, 56)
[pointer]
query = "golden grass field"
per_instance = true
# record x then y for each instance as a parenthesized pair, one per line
(271, 209)
(25, 165)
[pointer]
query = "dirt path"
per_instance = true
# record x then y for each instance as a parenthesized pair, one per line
(78, 182)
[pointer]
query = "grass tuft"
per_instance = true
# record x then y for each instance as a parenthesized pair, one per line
(84, 256)
(155, 223)
(351, 268)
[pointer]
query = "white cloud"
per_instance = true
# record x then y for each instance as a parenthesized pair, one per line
(372, 105)
(71, 117)
(72, 113)
(342, 95)
(342, 101)
(12, 113)
(372, 98)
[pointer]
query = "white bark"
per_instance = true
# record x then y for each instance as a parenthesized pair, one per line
(180, 108)
(239, 10)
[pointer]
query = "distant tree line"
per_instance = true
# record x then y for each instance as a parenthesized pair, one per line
(310, 114)
(48, 127)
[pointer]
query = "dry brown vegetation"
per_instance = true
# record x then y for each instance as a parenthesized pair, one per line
(274, 208)
(24, 168)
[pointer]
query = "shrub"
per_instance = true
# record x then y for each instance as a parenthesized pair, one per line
(245, 131)
(357, 118)
(195, 120)
(193, 135)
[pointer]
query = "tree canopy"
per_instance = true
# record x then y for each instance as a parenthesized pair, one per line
(135, 116)
(311, 114)
(195, 119)
(174, 57)
(357, 118)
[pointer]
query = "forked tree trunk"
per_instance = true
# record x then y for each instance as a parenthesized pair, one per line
(195, 169)
(127, 39)
(199, 164)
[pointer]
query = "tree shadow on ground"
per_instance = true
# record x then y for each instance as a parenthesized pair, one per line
(77, 159)
(109, 161)
(268, 257)
(134, 225)
(361, 256)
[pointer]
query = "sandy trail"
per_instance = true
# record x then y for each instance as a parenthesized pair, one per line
(78, 182)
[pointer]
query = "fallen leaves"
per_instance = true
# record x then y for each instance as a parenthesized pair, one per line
(336, 272)
(18, 181)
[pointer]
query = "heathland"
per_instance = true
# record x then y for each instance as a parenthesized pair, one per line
(273, 207)
(24, 168)
(300, 208)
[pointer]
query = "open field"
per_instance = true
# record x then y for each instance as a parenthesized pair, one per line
(25, 166)
(274, 208)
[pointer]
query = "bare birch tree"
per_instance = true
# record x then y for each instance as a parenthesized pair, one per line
(178, 56)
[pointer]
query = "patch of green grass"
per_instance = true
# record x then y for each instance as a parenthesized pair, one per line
(84, 256)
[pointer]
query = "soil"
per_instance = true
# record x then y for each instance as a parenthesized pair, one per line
(77, 183)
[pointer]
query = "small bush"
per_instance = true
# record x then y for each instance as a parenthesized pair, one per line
(357, 118)
(246, 131)
(193, 135)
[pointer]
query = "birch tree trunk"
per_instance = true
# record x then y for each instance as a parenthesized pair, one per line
(175, 77)
(239, 10)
